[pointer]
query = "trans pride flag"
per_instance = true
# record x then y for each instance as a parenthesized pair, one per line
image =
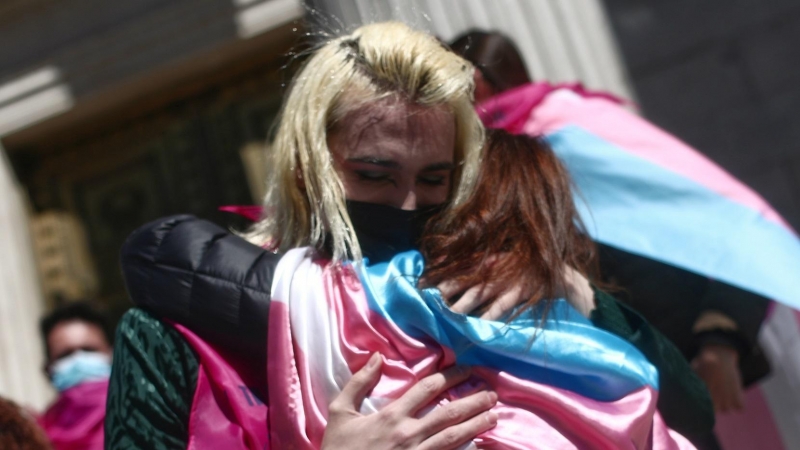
(645, 192)
(76, 419)
(572, 387)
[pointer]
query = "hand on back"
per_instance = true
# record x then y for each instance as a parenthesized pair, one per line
(504, 298)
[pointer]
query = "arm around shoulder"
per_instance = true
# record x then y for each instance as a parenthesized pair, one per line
(202, 276)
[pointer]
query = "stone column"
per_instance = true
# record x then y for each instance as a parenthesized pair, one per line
(21, 301)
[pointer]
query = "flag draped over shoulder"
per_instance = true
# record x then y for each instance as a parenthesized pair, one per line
(644, 191)
(570, 386)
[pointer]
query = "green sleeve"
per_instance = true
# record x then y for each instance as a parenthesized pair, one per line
(683, 400)
(152, 385)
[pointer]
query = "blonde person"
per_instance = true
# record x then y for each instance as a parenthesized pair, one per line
(376, 133)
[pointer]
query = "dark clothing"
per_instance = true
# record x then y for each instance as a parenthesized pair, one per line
(198, 274)
(152, 385)
(202, 276)
(683, 401)
(672, 299)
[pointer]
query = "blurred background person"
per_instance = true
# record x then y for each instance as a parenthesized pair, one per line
(18, 429)
(78, 344)
(715, 324)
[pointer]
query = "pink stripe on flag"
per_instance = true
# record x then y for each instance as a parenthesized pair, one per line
(530, 413)
(751, 429)
(250, 212)
(534, 412)
(633, 134)
(363, 332)
(225, 412)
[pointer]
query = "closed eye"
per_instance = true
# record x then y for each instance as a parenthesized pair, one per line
(370, 175)
(433, 180)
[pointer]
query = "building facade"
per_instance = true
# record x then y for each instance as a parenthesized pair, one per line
(113, 114)
(725, 77)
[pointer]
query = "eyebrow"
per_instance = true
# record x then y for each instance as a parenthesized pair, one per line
(439, 166)
(391, 164)
(388, 163)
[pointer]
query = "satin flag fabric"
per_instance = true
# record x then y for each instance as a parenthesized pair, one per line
(75, 420)
(227, 412)
(644, 191)
(561, 383)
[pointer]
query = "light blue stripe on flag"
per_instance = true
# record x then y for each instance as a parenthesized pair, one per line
(635, 205)
(566, 351)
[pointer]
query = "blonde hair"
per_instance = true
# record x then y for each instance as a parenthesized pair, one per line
(305, 198)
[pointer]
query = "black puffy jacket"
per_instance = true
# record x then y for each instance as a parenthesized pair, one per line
(198, 274)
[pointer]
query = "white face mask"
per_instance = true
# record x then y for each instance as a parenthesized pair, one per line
(79, 367)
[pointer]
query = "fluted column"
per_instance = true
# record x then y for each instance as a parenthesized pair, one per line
(21, 301)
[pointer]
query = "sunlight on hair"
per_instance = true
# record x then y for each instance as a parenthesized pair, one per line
(374, 62)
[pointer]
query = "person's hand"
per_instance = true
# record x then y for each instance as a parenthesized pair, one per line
(576, 290)
(506, 298)
(395, 426)
(718, 366)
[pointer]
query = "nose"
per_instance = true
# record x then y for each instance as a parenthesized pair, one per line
(409, 203)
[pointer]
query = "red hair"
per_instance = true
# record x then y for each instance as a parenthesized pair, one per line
(18, 431)
(522, 210)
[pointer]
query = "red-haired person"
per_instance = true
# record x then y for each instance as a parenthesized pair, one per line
(522, 208)
(520, 227)
(714, 324)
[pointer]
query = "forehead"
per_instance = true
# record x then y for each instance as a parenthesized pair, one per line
(395, 115)
(396, 127)
(75, 333)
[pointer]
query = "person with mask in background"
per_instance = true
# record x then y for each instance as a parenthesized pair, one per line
(78, 347)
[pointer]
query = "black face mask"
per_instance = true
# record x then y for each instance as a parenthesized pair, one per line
(384, 231)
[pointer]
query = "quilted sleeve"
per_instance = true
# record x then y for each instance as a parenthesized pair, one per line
(198, 274)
